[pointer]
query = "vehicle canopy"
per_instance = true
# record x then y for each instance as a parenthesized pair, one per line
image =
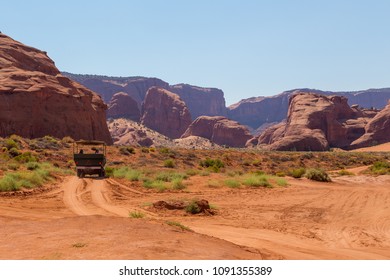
(77, 145)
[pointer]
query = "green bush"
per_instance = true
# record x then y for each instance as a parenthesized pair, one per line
(109, 171)
(177, 184)
(297, 173)
(154, 184)
(169, 163)
(317, 175)
(232, 183)
(193, 208)
(127, 173)
(257, 181)
(281, 182)
(213, 165)
(14, 152)
(380, 168)
(25, 157)
(170, 176)
(10, 143)
(136, 215)
(32, 165)
(13, 181)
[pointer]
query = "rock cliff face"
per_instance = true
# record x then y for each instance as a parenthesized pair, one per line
(256, 111)
(377, 130)
(315, 123)
(219, 130)
(123, 106)
(200, 101)
(164, 112)
(36, 100)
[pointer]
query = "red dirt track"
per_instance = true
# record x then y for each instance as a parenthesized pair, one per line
(89, 219)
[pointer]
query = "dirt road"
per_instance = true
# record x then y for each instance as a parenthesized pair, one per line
(89, 219)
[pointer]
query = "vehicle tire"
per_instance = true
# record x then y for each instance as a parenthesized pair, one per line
(79, 173)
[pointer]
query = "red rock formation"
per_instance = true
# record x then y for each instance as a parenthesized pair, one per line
(219, 130)
(256, 111)
(315, 123)
(123, 106)
(36, 100)
(164, 112)
(377, 131)
(201, 101)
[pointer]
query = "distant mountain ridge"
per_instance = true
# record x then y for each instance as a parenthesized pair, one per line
(254, 112)
(200, 101)
(257, 111)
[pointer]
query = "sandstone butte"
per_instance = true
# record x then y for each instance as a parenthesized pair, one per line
(123, 106)
(219, 130)
(36, 100)
(377, 130)
(164, 112)
(316, 123)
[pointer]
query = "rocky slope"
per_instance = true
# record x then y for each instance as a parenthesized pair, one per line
(315, 123)
(36, 100)
(164, 112)
(128, 132)
(257, 111)
(377, 131)
(123, 106)
(219, 130)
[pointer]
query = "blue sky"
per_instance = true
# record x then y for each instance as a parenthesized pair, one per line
(245, 48)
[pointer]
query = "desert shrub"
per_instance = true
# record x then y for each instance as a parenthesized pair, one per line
(280, 174)
(170, 176)
(213, 184)
(177, 224)
(344, 172)
(152, 149)
(380, 168)
(232, 183)
(193, 208)
(169, 163)
(47, 142)
(256, 163)
(317, 175)
(32, 165)
(213, 165)
(25, 157)
(13, 181)
(164, 150)
(154, 184)
(145, 150)
(308, 155)
(178, 184)
(125, 150)
(257, 181)
(298, 172)
(126, 172)
(109, 171)
(136, 215)
(14, 152)
(281, 182)
(192, 172)
(10, 143)
(13, 166)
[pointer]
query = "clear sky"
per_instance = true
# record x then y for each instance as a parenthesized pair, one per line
(246, 48)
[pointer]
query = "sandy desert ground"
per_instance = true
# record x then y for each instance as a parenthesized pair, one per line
(88, 218)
